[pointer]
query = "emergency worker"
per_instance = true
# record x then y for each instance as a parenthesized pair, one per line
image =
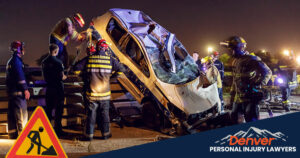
(287, 78)
(197, 60)
(249, 75)
(213, 75)
(53, 72)
(96, 71)
(220, 66)
(17, 91)
(63, 32)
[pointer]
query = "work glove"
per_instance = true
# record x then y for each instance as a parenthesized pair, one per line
(27, 94)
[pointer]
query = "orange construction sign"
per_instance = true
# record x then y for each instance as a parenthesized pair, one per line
(38, 139)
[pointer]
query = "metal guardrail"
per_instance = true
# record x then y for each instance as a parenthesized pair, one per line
(73, 88)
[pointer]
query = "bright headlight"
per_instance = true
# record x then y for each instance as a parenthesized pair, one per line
(280, 80)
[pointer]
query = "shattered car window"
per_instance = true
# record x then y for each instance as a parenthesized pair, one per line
(135, 53)
(186, 68)
(170, 61)
(115, 31)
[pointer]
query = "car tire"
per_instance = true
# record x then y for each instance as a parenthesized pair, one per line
(151, 115)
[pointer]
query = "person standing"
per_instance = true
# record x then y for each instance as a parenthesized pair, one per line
(249, 75)
(286, 71)
(53, 72)
(213, 75)
(197, 60)
(63, 32)
(17, 91)
(96, 71)
(220, 66)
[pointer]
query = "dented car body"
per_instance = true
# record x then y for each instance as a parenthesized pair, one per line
(161, 75)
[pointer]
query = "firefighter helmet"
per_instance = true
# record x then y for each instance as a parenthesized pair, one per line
(90, 48)
(102, 44)
(78, 18)
(215, 53)
(17, 46)
(235, 42)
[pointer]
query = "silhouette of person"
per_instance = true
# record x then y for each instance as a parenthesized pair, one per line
(35, 139)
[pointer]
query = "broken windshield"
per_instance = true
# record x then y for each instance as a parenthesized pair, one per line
(185, 68)
(169, 59)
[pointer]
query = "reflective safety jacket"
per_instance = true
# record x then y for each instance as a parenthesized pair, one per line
(96, 71)
(15, 77)
(249, 74)
(64, 30)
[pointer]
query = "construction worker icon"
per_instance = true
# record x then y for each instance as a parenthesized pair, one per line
(35, 139)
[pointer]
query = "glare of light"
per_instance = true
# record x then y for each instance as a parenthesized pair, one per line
(7, 141)
(264, 51)
(298, 60)
(286, 52)
(280, 80)
(210, 49)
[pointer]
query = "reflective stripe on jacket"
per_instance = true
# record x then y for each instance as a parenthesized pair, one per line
(96, 71)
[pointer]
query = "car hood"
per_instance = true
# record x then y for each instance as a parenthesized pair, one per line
(189, 97)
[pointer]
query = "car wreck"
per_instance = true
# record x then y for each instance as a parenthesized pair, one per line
(161, 75)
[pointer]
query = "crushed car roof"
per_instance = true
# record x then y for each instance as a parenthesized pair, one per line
(142, 26)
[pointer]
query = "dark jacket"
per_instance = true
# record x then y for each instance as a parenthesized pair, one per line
(249, 74)
(220, 67)
(287, 71)
(96, 71)
(15, 77)
(53, 71)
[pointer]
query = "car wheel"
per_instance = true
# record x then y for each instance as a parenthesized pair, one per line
(151, 115)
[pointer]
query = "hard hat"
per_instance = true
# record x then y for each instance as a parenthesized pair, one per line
(17, 46)
(234, 42)
(207, 59)
(90, 48)
(215, 53)
(78, 18)
(102, 43)
(252, 53)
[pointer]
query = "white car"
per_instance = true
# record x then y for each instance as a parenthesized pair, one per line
(161, 75)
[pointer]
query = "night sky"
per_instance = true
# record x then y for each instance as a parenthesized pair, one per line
(265, 24)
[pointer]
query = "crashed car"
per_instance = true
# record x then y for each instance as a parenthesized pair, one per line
(161, 75)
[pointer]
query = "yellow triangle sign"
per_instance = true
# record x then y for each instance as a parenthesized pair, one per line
(38, 139)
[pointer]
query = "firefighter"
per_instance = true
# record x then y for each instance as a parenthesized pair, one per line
(17, 91)
(63, 32)
(249, 75)
(53, 72)
(213, 75)
(220, 66)
(96, 71)
(286, 72)
(215, 57)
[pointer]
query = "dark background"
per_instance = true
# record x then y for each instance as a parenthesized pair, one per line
(265, 24)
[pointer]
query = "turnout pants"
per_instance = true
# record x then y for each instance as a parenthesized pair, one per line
(220, 90)
(55, 105)
(17, 115)
(286, 92)
(250, 110)
(97, 112)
